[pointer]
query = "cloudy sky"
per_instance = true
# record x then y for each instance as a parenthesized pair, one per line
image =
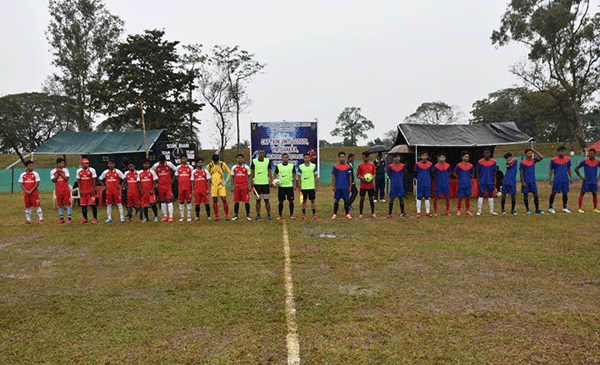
(386, 57)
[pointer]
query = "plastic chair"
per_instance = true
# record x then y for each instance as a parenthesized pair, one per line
(74, 196)
(99, 195)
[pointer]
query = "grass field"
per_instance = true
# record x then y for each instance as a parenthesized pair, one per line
(458, 290)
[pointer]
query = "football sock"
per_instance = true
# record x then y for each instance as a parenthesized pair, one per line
(291, 206)
(303, 211)
(170, 208)
(163, 208)
(361, 205)
(280, 206)
(109, 211)
(467, 204)
(155, 211)
(551, 201)
(447, 205)
(427, 207)
(536, 201)
(207, 208)
(197, 210)
(129, 212)
(580, 201)
(372, 206)
(391, 207)
(346, 207)
(565, 201)
(28, 214)
(418, 205)
(513, 202)
(503, 202)
(459, 203)
(526, 201)
(491, 204)
(401, 206)
(181, 210)
(435, 205)
(189, 210)
(120, 206)
(60, 212)
(84, 212)
(236, 207)
(247, 205)
(479, 204)
(226, 208)
(595, 200)
(216, 209)
(39, 213)
(146, 213)
(314, 211)
(95, 211)
(69, 211)
(336, 206)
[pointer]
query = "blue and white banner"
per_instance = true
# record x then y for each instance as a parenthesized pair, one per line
(293, 138)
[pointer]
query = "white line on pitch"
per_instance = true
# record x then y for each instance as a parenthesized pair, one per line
(293, 345)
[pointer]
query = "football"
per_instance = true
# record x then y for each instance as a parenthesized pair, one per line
(368, 177)
(276, 182)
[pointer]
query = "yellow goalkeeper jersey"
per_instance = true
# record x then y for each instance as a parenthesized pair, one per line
(217, 172)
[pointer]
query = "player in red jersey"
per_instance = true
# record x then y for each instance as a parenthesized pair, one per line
(147, 181)
(130, 183)
(164, 169)
(184, 184)
(366, 187)
(29, 181)
(86, 177)
(200, 183)
(242, 177)
(62, 191)
(112, 180)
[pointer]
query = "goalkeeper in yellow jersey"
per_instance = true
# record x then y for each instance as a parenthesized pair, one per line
(217, 170)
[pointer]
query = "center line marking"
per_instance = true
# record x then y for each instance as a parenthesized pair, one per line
(293, 344)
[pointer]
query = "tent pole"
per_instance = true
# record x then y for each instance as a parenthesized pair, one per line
(144, 127)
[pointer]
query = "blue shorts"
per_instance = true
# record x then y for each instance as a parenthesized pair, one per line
(486, 188)
(396, 192)
(423, 191)
(442, 190)
(589, 188)
(529, 188)
(463, 191)
(341, 194)
(560, 187)
(509, 189)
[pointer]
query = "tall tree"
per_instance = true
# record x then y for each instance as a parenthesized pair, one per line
(563, 39)
(436, 112)
(191, 62)
(144, 70)
(82, 34)
(352, 125)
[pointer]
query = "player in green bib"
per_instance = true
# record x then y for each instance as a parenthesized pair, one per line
(286, 173)
(308, 183)
(261, 180)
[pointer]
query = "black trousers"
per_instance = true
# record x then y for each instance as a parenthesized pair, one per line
(380, 188)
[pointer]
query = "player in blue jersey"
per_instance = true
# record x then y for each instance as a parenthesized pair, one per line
(424, 169)
(395, 172)
(589, 182)
(509, 183)
(442, 171)
(486, 179)
(464, 172)
(528, 180)
(561, 167)
(340, 184)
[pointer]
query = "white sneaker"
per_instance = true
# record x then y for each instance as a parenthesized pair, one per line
(181, 219)
(189, 219)
(565, 210)
(383, 200)
(551, 211)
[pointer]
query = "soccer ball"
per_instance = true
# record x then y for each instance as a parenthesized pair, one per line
(368, 177)
(276, 182)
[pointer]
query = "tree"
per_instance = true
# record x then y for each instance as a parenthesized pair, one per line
(564, 53)
(352, 125)
(82, 34)
(388, 140)
(436, 112)
(30, 119)
(144, 71)
(191, 62)
(245, 145)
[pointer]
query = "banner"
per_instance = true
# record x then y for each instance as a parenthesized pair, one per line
(293, 138)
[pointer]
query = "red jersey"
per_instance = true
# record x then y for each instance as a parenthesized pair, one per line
(132, 179)
(146, 179)
(61, 184)
(112, 179)
(184, 177)
(240, 175)
(86, 179)
(29, 179)
(363, 169)
(164, 173)
(200, 179)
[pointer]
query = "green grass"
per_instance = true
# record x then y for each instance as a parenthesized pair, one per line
(511, 290)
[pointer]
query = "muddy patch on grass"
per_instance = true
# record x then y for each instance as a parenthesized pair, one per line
(356, 290)
(7, 241)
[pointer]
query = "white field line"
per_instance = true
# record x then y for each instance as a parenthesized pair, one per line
(293, 345)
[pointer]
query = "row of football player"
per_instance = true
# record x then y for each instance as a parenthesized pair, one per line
(141, 185)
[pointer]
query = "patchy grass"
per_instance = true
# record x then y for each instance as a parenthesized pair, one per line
(512, 290)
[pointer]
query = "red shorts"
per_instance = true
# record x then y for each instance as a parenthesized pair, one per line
(148, 199)
(201, 198)
(114, 197)
(133, 198)
(165, 193)
(87, 199)
(32, 200)
(185, 195)
(63, 198)
(241, 194)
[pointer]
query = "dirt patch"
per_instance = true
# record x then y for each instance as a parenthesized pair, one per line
(7, 241)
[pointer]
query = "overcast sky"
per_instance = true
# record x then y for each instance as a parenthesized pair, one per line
(386, 57)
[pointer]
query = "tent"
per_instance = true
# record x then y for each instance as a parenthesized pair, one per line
(99, 147)
(595, 145)
(453, 139)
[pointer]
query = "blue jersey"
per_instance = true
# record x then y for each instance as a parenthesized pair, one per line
(396, 175)
(528, 168)
(590, 168)
(561, 168)
(510, 177)
(424, 173)
(464, 173)
(485, 171)
(342, 173)
(442, 175)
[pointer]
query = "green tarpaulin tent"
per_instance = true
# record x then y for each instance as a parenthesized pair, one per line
(100, 143)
